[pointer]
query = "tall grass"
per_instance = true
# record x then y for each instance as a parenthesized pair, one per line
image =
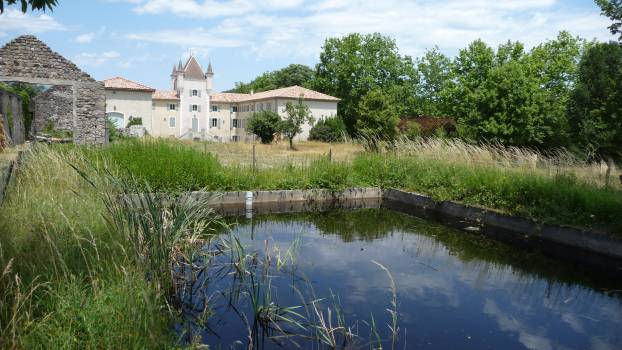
(85, 260)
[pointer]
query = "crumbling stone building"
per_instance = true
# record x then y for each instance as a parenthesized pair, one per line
(27, 59)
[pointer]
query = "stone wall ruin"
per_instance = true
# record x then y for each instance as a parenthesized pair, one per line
(27, 59)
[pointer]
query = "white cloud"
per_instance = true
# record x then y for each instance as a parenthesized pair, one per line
(271, 29)
(14, 20)
(85, 38)
(96, 59)
(88, 37)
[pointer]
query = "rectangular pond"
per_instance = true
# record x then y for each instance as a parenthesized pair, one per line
(371, 278)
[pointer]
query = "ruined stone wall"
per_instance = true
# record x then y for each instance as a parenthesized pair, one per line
(54, 107)
(11, 117)
(27, 59)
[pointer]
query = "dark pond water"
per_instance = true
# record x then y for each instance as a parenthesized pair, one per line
(455, 290)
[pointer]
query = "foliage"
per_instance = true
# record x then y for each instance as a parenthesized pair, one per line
(613, 10)
(34, 4)
(294, 74)
(435, 73)
(264, 124)
(355, 64)
(27, 92)
(413, 131)
(134, 121)
(296, 116)
(377, 115)
(595, 110)
(330, 129)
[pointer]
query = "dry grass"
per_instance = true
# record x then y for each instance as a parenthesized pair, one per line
(555, 163)
(278, 154)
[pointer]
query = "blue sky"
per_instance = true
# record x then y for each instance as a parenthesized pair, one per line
(141, 39)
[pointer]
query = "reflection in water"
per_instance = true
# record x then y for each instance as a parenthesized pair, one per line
(454, 289)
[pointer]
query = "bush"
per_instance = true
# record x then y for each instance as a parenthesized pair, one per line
(134, 121)
(328, 130)
(414, 131)
(264, 124)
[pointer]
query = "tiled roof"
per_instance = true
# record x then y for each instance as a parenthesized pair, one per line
(193, 70)
(120, 83)
(292, 92)
(165, 95)
(228, 97)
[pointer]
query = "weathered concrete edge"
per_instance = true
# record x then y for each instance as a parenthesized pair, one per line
(312, 195)
(523, 228)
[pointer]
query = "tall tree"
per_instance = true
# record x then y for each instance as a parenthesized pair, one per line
(34, 4)
(435, 73)
(613, 10)
(294, 74)
(355, 64)
(264, 124)
(595, 109)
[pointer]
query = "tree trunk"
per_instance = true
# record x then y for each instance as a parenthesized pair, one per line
(291, 143)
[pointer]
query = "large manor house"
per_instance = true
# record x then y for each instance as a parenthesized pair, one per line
(190, 110)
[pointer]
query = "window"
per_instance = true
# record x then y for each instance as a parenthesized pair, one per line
(235, 138)
(234, 108)
(214, 123)
(235, 123)
(172, 106)
(195, 92)
(214, 108)
(253, 107)
(171, 122)
(194, 108)
(268, 106)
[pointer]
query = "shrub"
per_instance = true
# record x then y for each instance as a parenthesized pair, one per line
(264, 124)
(134, 121)
(328, 130)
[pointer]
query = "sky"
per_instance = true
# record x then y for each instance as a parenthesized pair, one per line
(142, 39)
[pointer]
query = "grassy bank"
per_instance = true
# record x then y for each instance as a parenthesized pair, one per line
(549, 188)
(72, 275)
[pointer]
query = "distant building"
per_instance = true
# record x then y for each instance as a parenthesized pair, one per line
(190, 110)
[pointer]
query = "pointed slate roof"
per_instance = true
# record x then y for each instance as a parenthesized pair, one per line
(193, 69)
(210, 71)
(119, 83)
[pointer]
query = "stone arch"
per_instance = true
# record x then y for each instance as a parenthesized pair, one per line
(117, 119)
(29, 60)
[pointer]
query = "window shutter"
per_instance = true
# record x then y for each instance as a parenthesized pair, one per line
(218, 123)
(190, 92)
(199, 108)
(199, 93)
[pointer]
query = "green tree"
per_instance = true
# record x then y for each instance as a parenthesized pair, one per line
(294, 74)
(264, 124)
(353, 65)
(435, 73)
(34, 4)
(377, 116)
(296, 116)
(613, 10)
(595, 109)
(499, 96)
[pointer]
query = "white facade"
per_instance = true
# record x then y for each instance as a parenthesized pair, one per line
(191, 111)
(122, 105)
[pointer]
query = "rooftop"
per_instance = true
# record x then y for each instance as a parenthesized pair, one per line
(165, 95)
(119, 83)
(291, 92)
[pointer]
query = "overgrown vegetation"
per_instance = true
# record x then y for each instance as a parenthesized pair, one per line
(330, 129)
(556, 188)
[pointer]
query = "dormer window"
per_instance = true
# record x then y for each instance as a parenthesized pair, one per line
(171, 106)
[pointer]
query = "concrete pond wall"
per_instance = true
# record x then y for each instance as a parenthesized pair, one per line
(598, 250)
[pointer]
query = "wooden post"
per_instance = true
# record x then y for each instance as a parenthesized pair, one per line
(254, 159)
(330, 154)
